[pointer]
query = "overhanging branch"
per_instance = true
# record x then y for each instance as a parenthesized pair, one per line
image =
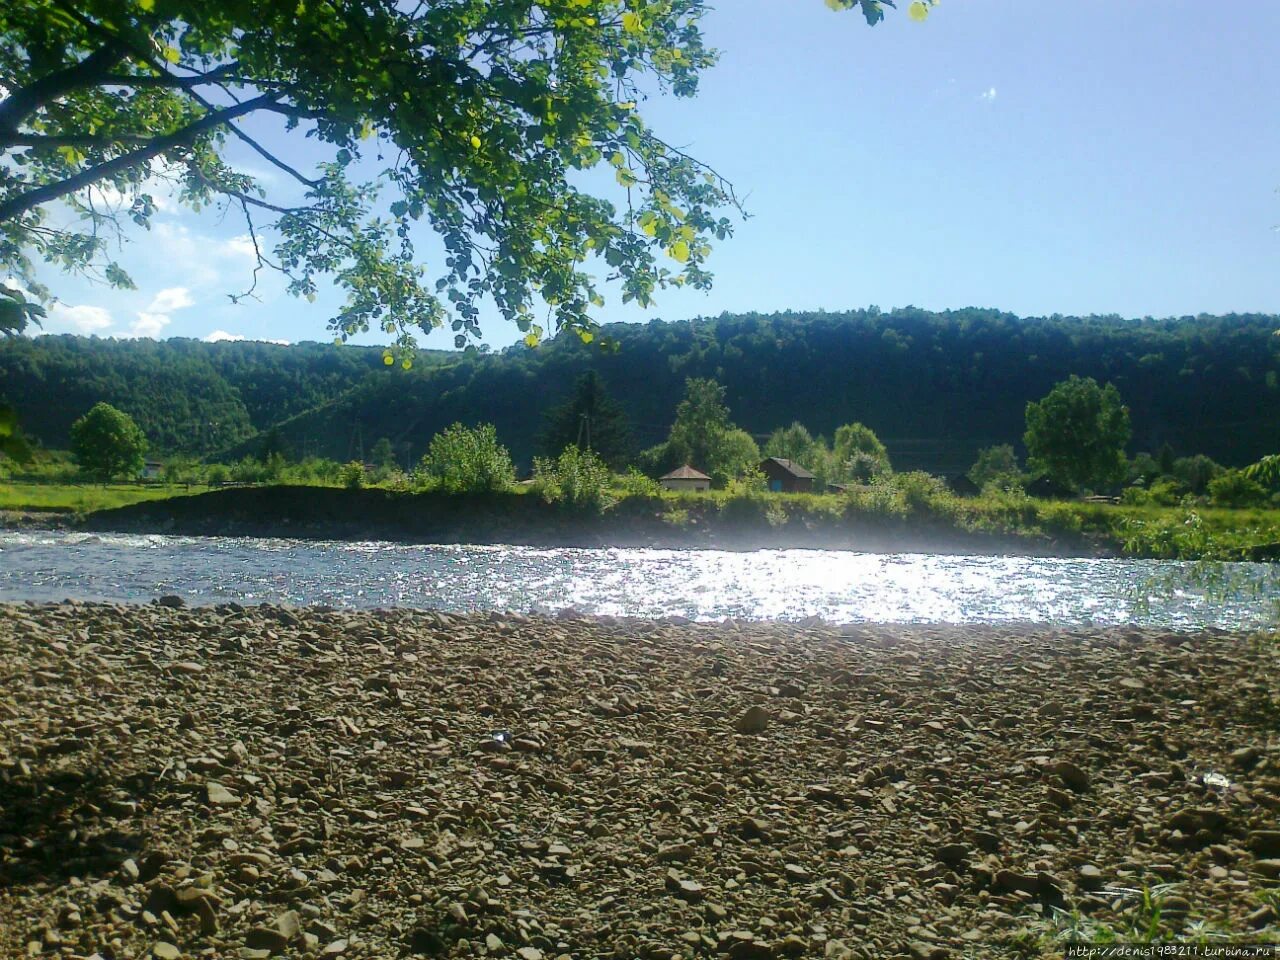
(26, 100)
(24, 202)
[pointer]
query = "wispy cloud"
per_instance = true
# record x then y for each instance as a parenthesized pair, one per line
(147, 325)
(988, 94)
(83, 317)
(170, 299)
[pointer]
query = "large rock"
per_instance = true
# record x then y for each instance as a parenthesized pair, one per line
(755, 719)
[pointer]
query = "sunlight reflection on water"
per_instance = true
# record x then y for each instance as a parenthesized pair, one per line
(838, 586)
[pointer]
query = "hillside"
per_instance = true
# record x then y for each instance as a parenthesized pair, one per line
(935, 386)
(187, 395)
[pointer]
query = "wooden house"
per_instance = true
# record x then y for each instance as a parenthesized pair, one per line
(786, 476)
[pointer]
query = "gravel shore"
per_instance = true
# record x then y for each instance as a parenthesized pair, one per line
(313, 783)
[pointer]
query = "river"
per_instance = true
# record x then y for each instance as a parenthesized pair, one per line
(839, 586)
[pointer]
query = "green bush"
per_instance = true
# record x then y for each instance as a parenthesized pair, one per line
(1235, 489)
(998, 465)
(879, 499)
(577, 479)
(633, 483)
(468, 460)
(924, 494)
(1161, 493)
(352, 475)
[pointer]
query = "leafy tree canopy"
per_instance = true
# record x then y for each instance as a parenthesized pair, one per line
(858, 454)
(472, 117)
(1076, 435)
(590, 420)
(791, 443)
(107, 443)
(998, 464)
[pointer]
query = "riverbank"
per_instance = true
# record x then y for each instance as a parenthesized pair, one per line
(320, 783)
(879, 521)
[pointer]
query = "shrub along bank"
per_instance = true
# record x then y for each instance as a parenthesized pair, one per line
(913, 513)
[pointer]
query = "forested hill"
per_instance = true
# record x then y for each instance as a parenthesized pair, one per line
(187, 395)
(935, 386)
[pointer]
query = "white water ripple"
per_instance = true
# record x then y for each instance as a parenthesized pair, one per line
(839, 586)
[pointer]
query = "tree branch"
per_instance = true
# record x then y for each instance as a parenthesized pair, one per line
(26, 100)
(50, 143)
(16, 206)
(165, 79)
(256, 146)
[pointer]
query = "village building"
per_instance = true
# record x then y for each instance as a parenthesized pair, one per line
(786, 476)
(685, 478)
(961, 485)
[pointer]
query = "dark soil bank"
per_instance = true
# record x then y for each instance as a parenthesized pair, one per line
(336, 514)
(233, 783)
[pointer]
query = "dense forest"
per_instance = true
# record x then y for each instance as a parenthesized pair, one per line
(936, 387)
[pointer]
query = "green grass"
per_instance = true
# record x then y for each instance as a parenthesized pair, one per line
(84, 498)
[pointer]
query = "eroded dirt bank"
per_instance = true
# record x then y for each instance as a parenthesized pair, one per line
(228, 782)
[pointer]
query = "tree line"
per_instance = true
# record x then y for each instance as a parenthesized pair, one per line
(935, 387)
(1076, 438)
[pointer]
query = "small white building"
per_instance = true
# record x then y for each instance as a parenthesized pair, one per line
(152, 469)
(685, 478)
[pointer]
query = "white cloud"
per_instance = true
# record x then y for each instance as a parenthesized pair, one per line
(85, 318)
(241, 246)
(170, 299)
(219, 335)
(988, 94)
(148, 325)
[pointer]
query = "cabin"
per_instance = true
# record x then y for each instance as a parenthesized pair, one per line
(1045, 488)
(786, 476)
(152, 469)
(685, 478)
(961, 485)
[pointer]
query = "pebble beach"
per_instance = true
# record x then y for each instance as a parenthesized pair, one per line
(319, 783)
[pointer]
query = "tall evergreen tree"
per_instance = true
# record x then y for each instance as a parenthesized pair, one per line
(590, 420)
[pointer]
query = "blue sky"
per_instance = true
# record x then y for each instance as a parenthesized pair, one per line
(1097, 156)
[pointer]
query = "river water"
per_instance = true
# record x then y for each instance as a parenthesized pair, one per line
(839, 586)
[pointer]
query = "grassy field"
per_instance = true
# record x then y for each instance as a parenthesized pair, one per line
(85, 498)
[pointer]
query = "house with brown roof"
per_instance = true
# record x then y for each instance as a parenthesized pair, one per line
(685, 478)
(786, 476)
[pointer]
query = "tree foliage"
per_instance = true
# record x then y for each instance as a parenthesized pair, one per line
(704, 437)
(591, 420)
(1077, 434)
(998, 465)
(858, 454)
(701, 417)
(577, 479)
(464, 459)
(1204, 384)
(792, 442)
(469, 120)
(108, 444)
